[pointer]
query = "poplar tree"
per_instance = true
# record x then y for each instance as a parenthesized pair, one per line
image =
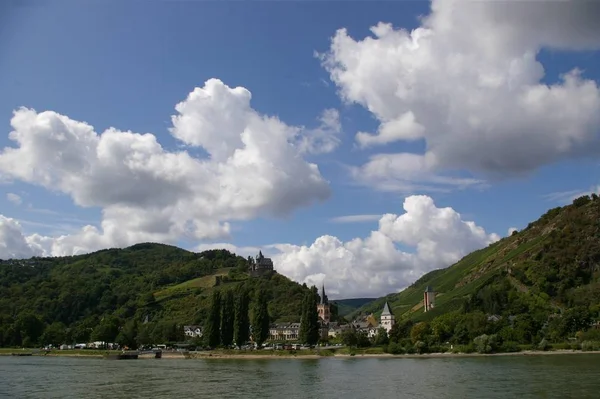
(312, 316)
(242, 324)
(211, 329)
(260, 318)
(227, 319)
(303, 331)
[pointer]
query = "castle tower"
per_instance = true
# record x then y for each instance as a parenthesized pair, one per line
(428, 298)
(387, 318)
(323, 307)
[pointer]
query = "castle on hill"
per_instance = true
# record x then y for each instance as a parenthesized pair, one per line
(260, 265)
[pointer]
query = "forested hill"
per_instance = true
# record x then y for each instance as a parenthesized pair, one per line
(545, 278)
(165, 285)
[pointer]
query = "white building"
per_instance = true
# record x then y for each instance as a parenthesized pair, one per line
(192, 331)
(387, 318)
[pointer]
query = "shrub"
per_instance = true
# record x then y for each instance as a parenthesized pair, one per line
(544, 345)
(510, 347)
(421, 347)
(395, 349)
(590, 346)
(485, 343)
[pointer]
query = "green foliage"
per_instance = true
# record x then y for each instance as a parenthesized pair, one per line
(260, 318)
(381, 338)
(349, 337)
(540, 283)
(212, 326)
(242, 322)
(485, 343)
(227, 319)
(154, 282)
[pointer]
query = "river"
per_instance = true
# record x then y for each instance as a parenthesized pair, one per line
(554, 376)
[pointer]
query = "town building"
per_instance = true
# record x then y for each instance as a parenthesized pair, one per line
(192, 331)
(387, 318)
(284, 332)
(366, 324)
(323, 307)
(260, 265)
(429, 298)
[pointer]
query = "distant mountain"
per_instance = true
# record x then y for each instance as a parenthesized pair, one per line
(161, 284)
(547, 276)
(348, 306)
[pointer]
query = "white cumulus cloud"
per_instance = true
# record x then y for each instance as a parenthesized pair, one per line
(467, 82)
(255, 167)
(13, 244)
(375, 266)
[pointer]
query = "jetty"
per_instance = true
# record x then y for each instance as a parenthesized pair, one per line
(125, 355)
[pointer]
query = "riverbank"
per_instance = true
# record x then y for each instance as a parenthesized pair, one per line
(312, 354)
(217, 355)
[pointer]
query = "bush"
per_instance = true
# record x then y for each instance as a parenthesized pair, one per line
(485, 343)
(544, 345)
(590, 346)
(395, 349)
(510, 347)
(421, 347)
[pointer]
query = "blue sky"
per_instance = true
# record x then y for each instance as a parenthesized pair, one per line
(127, 64)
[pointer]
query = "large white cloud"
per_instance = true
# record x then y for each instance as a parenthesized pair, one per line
(374, 266)
(468, 83)
(13, 244)
(255, 167)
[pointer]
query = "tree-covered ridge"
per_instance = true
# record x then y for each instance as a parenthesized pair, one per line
(542, 283)
(149, 289)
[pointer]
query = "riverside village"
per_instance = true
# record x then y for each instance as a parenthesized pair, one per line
(284, 336)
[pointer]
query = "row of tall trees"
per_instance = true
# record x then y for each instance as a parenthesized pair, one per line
(309, 320)
(228, 319)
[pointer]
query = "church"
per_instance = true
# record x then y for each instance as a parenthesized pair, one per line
(387, 320)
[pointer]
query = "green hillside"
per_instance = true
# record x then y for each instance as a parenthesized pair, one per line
(547, 276)
(165, 285)
(348, 306)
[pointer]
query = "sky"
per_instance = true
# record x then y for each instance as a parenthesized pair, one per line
(359, 144)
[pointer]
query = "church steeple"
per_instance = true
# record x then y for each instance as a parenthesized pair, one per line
(324, 300)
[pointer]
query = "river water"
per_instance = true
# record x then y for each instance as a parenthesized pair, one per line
(552, 376)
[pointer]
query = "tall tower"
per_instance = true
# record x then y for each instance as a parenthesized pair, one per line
(323, 307)
(428, 298)
(387, 318)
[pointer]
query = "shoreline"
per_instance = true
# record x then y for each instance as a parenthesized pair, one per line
(388, 355)
(311, 356)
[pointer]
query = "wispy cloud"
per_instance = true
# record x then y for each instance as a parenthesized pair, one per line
(44, 211)
(355, 218)
(14, 198)
(565, 197)
(54, 228)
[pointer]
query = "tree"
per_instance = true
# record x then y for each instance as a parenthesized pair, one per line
(312, 317)
(242, 324)
(107, 330)
(381, 338)
(419, 332)
(143, 337)
(211, 329)
(349, 337)
(260, 318)
(28, 329)
(227, 319)
(54, 334)
(400, 330)
(303, 330)
(128, 335)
